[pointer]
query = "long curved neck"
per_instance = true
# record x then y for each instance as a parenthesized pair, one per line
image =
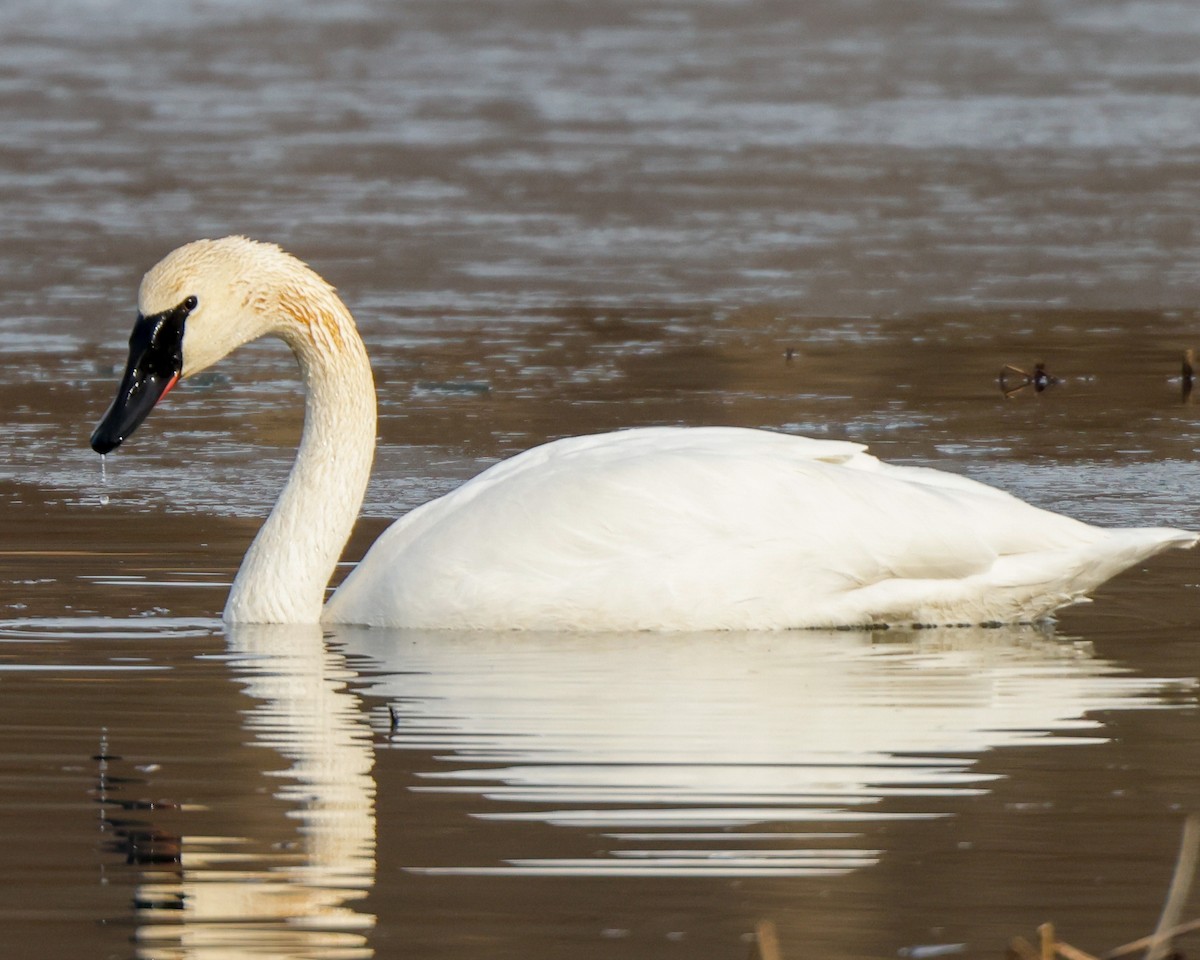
(284, 574)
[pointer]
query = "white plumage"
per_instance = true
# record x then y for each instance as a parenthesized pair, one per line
(659, 528)
(708, 528)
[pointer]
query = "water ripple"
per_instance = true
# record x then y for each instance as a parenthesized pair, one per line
(687, 739)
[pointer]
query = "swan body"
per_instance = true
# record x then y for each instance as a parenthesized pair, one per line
(660, 528)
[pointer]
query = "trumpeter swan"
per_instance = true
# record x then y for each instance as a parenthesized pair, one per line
(657, 528)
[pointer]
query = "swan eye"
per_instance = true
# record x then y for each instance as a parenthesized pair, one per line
(190, 304)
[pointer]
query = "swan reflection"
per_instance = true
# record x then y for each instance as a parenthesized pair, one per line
(302, 901)
(634, 755)
(740, 754)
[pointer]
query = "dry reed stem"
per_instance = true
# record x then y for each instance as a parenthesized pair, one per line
(1072, 953)
(1142, 942)
(1046, 933)
(766, 942)
(1158, 945)
(1181, 886)
(1021, 949)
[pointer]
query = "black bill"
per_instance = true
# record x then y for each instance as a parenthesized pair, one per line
(155, 362)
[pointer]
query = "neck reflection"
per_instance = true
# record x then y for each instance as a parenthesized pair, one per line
(299, 900)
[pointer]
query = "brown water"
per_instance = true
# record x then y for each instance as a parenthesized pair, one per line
(553, 219)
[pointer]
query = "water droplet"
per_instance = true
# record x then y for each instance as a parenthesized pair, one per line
(103, 479)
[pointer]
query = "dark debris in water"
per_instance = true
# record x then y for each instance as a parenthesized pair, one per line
(140, 842)
(1013, 379)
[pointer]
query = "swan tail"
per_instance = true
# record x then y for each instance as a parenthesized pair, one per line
(1022, 587)
(1044, 582)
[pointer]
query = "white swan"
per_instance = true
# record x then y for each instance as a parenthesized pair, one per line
(658, 528)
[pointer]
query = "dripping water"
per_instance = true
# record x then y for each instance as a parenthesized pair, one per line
(103, 479)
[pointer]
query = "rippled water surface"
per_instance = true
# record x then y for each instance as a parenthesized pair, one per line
(831, 219)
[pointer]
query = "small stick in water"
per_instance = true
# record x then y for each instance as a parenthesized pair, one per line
(1046, 932)
(766, 942)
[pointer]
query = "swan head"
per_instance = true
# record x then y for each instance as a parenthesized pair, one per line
(195, 306)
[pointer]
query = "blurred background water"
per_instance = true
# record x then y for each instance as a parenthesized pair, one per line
(551, 218)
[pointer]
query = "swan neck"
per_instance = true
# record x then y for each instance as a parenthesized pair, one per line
(284, 573)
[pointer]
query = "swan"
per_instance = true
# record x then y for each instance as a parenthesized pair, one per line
(656, 528)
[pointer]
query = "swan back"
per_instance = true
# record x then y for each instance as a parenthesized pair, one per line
(725, 528)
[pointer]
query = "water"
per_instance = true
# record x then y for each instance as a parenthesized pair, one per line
(839, 220)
